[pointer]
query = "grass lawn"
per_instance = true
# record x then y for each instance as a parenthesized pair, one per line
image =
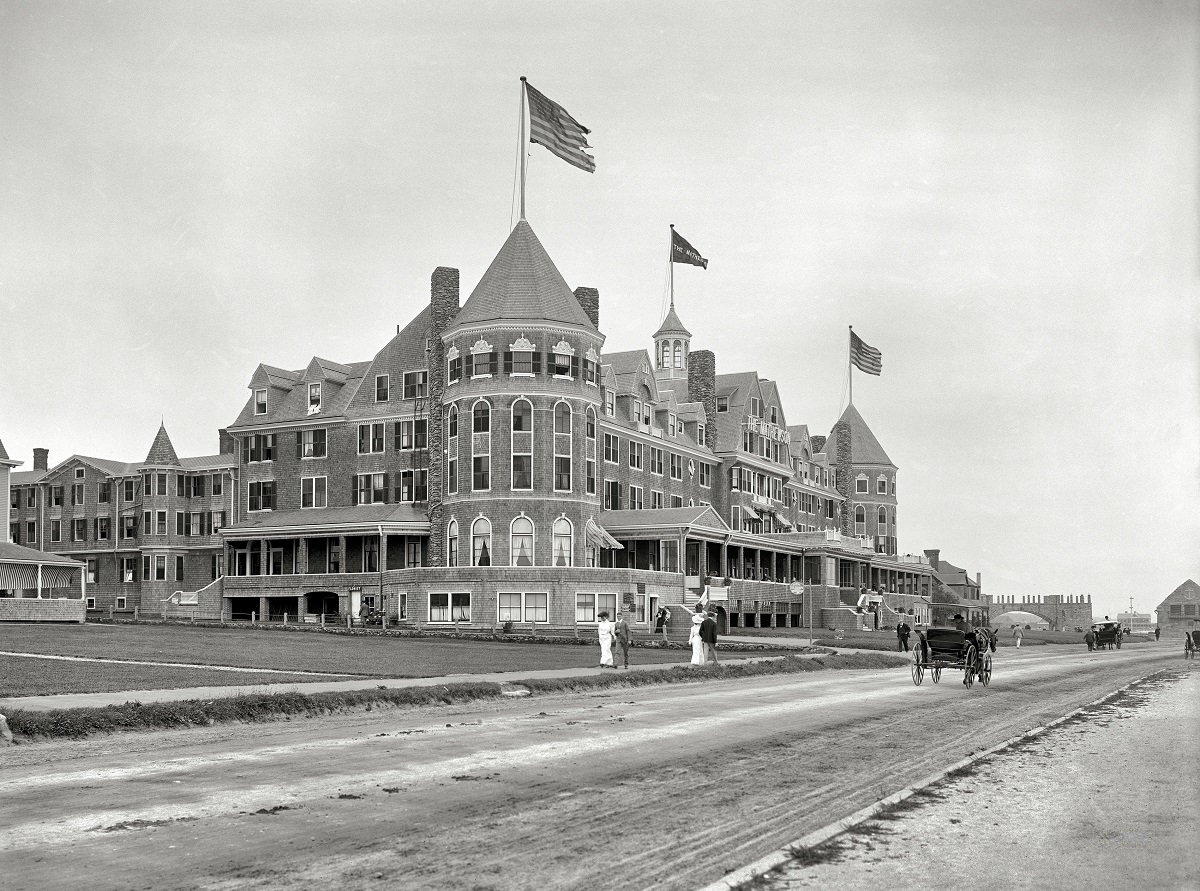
(305, 651)
(20, 676)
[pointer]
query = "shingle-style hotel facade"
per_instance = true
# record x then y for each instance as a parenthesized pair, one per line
(493, 464)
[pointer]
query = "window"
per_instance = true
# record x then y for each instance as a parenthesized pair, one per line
(522, 362)
(31, 496)
(91, 603)
(482, 364)
(127, 490)
(881, 486)
(128, 570)
(452, 450)
(260, 402)
(591, 372)
(56, 496)
(563, 365)
(31, 532)
(454, 370)
(481, 473)
(313, 444)
(700, 434)
(531, 608)
(481, 446)
(454, 607)
(416, 384)
(588, 606)
(179, 568)
(160, 521)
(705, 475)
(521, 542)
(671, 421)
(79, 529)
(147, 563)
(128, 527)
(612, 449)
(452, 543)
(314, 491)
(411, 435)
(635, 455)
(860, 485)
(161, 478)
(860, 520)
(669, 555)
(522, 445)
(881, 521)
(481, 542)
(370, 439)
(370, 488)
(893, 485)
(261, 495)
(610, 403)
(755, 407)
(160, 568)
(413, 486)
(14, 499)
(481, 417)
(590, 460)
(722, 403)
(612, 495)
(635, 497)
(259, 447)
(180, 520)
(101, 493)
(635, 413)
(121, 601)
(562, 447)
(563, 545)
(314, 398)
(382, 387)
(656, 460)
(102, 528)
(676, 501)
(676, 467)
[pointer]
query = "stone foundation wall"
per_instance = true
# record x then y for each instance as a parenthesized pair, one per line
(26, 609)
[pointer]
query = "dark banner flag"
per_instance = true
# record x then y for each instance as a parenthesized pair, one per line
(682, 252)
(550, 125)
(865, 358)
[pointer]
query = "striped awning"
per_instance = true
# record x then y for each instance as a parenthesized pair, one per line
(59, 577)
(598, 536)
(17, 576)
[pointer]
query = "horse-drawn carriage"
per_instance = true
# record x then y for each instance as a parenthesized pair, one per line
(1108, 635)
(1191, 643)
(941, 648)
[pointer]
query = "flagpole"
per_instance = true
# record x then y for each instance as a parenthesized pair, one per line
(671, 265)
(521, 147)
(849, 360)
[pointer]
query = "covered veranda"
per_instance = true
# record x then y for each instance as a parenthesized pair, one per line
(36, 586)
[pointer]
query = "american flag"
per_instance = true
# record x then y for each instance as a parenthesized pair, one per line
(550, 125)
(865, 358)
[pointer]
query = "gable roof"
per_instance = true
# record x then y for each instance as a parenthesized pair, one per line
(522, 284)
(162, 452)
(11, 553)
(1188, 592)
(864, 447)
(628, 520)
(3, 454)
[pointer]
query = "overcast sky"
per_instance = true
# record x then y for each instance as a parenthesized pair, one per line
(1002, 197)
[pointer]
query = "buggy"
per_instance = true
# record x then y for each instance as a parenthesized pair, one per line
(1191, 643)
(1108, 635)
(939, 648)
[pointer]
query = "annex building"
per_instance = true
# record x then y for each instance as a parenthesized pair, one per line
(494, 463)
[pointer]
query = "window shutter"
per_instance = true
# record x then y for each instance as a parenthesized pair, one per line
(494, 361)
(96, 528)
(353, 490)
(245, 449)
(507, 362)
(299, 444)
(468, 365)
(396, 434)
(537, 362)
(575, 367)
(385, 488)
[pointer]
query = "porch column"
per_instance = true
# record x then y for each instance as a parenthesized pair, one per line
(342, 552)
(302, 556)
(725, 559)
(264, 609)
(264, 566)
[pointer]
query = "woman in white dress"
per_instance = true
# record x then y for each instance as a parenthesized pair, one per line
(695, 641)
(607, 632)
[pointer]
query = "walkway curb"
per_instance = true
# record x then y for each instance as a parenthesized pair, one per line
(738, 879)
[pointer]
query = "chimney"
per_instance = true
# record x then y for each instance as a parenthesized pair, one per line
(226, 443)
(933, 557)
(702, 387)
(41, 459)
(443, 307)
(589, 299)
(818, 444)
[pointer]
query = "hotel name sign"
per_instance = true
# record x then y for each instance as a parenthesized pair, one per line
(765, 428)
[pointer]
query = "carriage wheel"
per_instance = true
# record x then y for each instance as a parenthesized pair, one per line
(918, 668)
(936, 672)
(985, 673)
(969, 666)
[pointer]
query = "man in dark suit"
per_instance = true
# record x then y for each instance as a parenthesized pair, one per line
(902, 632)
(708, 634)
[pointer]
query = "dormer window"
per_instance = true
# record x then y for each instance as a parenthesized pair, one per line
(700, 431)
(637, 410)
(383, 386)
(610, 403)
(755, 407)
(314, 398)
(260, 402)
(722, 403)
(670, 424)
(774, 415)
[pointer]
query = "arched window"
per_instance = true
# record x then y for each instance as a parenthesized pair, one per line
(521, 542)
(860, 520)
(522, 445)
(678, 363)
(452, 450)
(590, 457)
(481, 542)
(562, 418)
(452, 543)
(563, 542)
(883, 520)
(481, 417)
(562, 447)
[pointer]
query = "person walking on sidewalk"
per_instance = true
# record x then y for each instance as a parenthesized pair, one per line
(708, 634)
(605, 632)
(624, 636)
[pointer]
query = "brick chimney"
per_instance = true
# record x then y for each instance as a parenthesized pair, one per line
(41, 459)
(933, 557)
(444, 306)
(226, 442)
(589, 299)
(818, 444)
(702, 387)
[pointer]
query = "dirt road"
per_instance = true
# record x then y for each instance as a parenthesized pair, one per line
(664, 787)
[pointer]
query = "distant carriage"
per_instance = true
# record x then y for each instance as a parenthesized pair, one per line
(1108, 635)
(942, 648)
(1191, 643)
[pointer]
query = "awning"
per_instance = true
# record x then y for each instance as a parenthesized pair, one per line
(598, 536)
(17, 576)
(59, 577)
(783, 520)
(750, 512)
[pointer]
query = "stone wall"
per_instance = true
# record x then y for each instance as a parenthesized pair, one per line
(28, 609)
(444, 306)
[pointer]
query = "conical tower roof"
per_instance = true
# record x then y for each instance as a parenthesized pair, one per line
(523, 285)
(672, 325)
(864, 447)
(162, 453)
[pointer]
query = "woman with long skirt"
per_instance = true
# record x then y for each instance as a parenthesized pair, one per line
(607, 632)
(694, 639)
